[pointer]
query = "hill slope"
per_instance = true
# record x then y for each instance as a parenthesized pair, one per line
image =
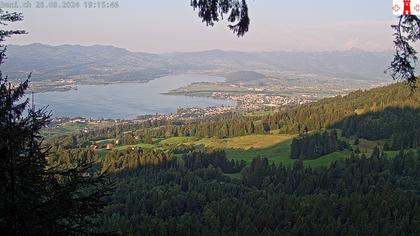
(116, 64)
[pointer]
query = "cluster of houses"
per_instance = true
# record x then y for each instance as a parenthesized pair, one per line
(256, 101)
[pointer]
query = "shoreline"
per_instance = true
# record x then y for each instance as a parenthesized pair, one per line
(46, 88)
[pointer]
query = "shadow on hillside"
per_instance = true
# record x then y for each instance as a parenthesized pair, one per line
(390, 123)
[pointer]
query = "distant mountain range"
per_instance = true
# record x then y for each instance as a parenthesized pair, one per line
(107, 63)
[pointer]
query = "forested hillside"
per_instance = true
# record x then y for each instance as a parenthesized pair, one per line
(359, 196)
(170, 181)
(329, 112)
(338, 112)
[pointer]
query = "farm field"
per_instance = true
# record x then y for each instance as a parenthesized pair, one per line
(102, 152)
(279, 154)
(68, 127)
(63, 129)
(242, 142)
(245, 142)
(274, 147)
(177, 141)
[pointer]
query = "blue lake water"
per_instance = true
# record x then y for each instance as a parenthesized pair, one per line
(127, 100)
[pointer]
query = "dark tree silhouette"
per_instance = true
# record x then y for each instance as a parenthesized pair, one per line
(212, 11)
(407, 31)
(37, 197)
(5, 18)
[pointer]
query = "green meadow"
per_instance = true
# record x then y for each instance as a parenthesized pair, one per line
(274, 147)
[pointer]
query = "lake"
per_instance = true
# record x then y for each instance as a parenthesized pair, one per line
(127, 100)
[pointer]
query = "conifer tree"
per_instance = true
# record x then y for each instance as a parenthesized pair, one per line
(38, 197)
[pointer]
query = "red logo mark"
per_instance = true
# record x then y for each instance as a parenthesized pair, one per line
(407, 7)
(396, 8)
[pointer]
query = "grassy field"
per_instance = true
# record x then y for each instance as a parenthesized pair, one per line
(274, 147)
(104, 141)
(327, 159)
(244, 142)
(71, 127)
(102, 152)
(393, 154)
(259, 113)
(63, 129)
(141, 145)
(176, 141)
(368, 146)
(280, 153)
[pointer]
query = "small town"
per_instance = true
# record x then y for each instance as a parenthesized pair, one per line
(245, 103)
(257, 101)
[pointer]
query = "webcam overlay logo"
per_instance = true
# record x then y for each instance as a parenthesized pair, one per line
(406, 7)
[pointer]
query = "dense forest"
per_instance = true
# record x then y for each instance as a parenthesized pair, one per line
(400, 124)
(312, 146)
(136, 158)
(359, 196)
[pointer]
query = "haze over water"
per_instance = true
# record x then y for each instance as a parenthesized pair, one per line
(127, 100)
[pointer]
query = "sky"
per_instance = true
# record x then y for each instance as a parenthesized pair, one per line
(160, 26)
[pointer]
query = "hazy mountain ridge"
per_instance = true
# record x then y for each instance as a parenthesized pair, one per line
(74, 62)
(116, 64)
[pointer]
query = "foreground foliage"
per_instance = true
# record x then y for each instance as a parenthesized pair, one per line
(39, 195)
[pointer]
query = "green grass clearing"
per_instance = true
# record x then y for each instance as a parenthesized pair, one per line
(276, 148)
(63, 129)
(244, 142)
(102, 152)
(327, 159)
(280, 154)
(276, 154)
(177, 141)
(260, 113)
(101, 142)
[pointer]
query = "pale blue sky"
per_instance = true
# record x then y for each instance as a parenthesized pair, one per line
(171, 25)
